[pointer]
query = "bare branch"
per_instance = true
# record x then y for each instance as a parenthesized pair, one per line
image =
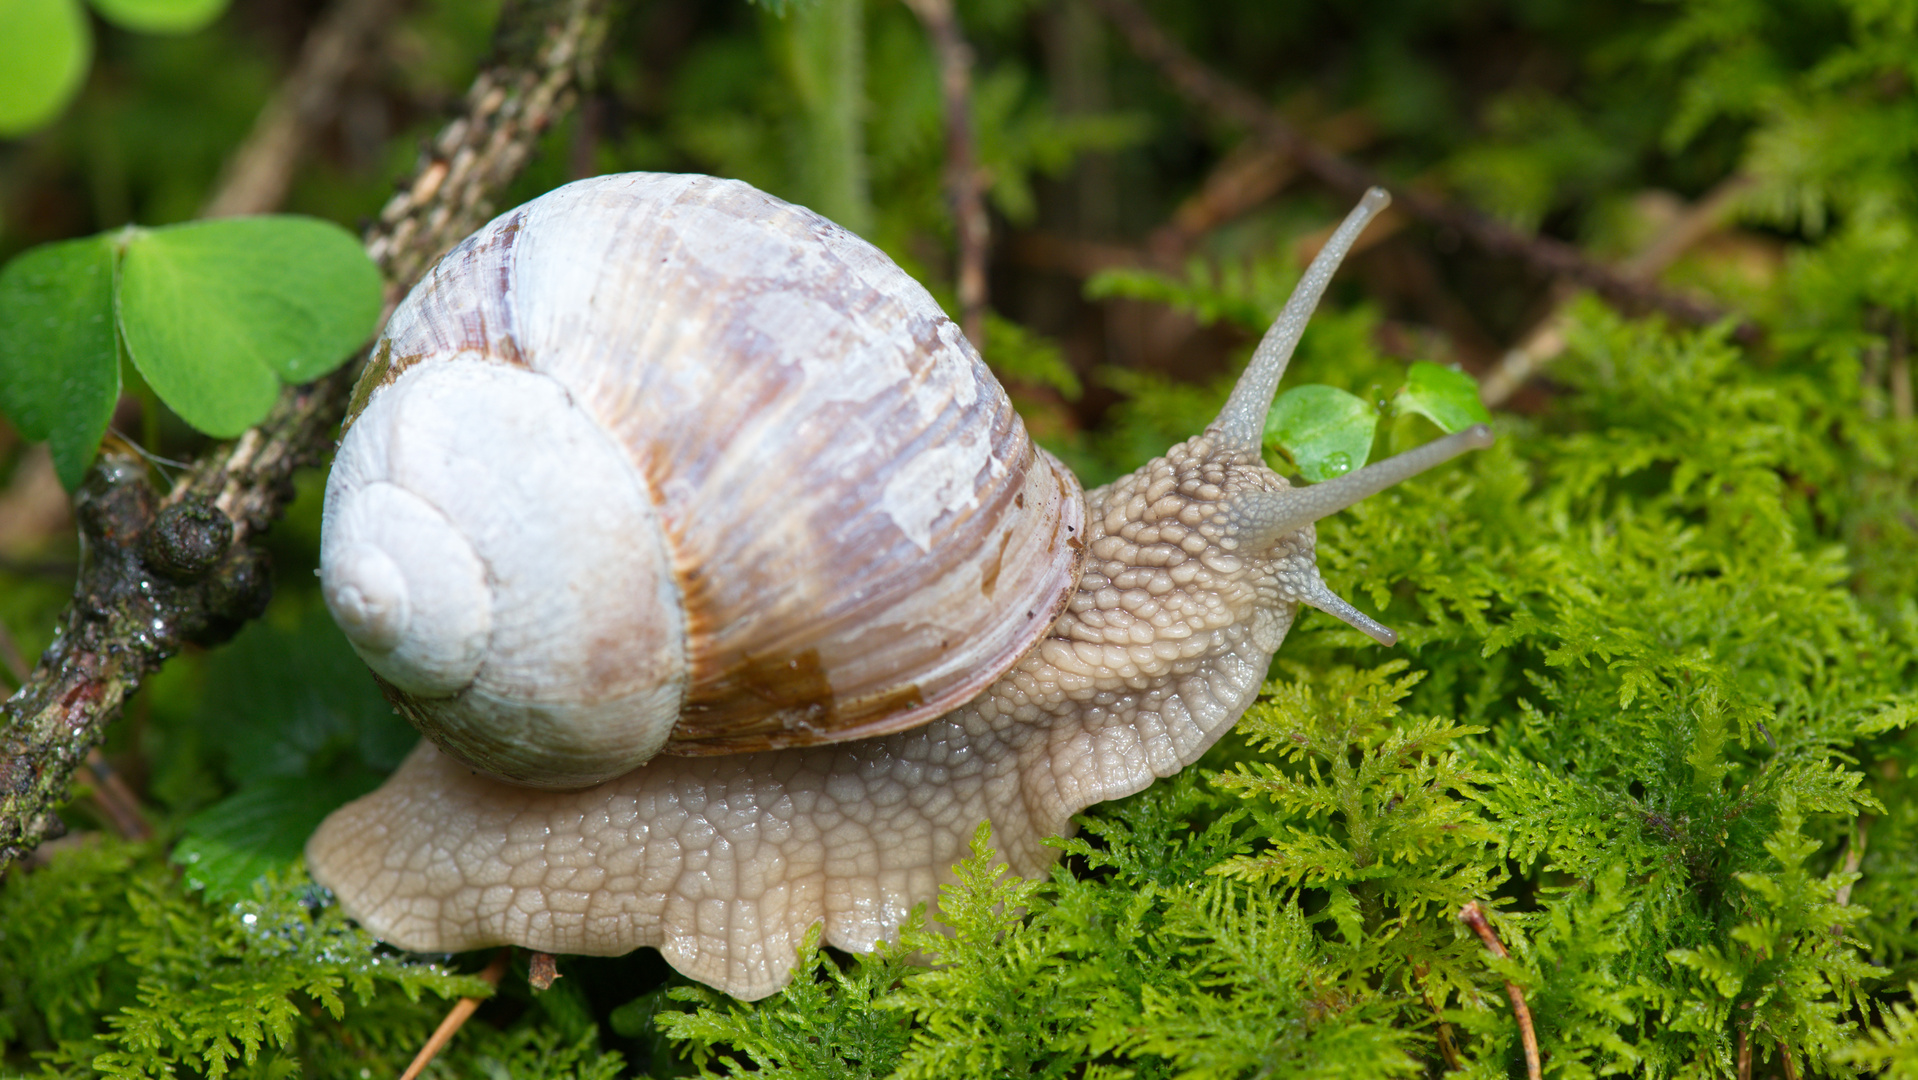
(126, 617)
(1215, 94)
(963, 180)
(1546, 339)
(256, 177)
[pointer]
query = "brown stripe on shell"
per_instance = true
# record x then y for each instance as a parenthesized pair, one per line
(450, 311)
(774, 373)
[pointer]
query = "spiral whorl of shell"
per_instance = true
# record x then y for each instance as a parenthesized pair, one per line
(662, 463)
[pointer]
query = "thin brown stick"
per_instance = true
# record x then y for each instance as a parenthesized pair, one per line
(456, 1018)
(1699, 221)
(1744, 1054)
(1900, 381)
(1250, 174)
(1242, 180)
(1446, 1049)
(1213, 93)
(964, 184)
(111, 792)
(1473, 916)
(1546, 339)
(125, 620)
(1854, 857)
(11, 658)
(256, 177)
(1784, 1059)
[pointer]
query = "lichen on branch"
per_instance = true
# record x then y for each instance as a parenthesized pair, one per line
(128, 614)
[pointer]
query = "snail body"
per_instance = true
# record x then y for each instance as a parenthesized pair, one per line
(1159, 600)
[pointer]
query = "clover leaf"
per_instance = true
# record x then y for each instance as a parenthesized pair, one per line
(1324, 430)
(216, 315)
(1446, 396)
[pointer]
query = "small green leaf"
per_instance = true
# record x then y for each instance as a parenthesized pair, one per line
(59, 377)
(235, 842)
(1324, 430)
(215, 314)
(292, 698)
(302, 729)
(1446, 396)
(160, 16)
(45, 48)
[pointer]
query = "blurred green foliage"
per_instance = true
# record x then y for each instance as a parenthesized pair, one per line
(45, 46)
(1653, 703)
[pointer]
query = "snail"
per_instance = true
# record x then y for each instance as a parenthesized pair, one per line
(731, 594)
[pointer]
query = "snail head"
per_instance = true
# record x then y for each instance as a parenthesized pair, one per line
(1280, 516)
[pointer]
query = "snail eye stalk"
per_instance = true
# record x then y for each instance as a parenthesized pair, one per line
(1261, 518)
(1242, 422)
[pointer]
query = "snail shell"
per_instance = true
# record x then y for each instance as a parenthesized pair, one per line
(660, 463)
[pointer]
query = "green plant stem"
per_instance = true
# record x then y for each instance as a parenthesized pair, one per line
(125, 620)
(825, 46)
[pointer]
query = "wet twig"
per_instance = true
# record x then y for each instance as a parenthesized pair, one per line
(965, 185)
(125, 618)
(1473, 916)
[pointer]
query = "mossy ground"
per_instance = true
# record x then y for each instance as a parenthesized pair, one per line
(1652, 709)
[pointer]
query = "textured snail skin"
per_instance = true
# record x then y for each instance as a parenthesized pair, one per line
(1194, 569)
(724, 862)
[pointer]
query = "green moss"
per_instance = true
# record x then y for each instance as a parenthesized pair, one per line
(1643, 716)
(1653, 706)
(112, 965)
